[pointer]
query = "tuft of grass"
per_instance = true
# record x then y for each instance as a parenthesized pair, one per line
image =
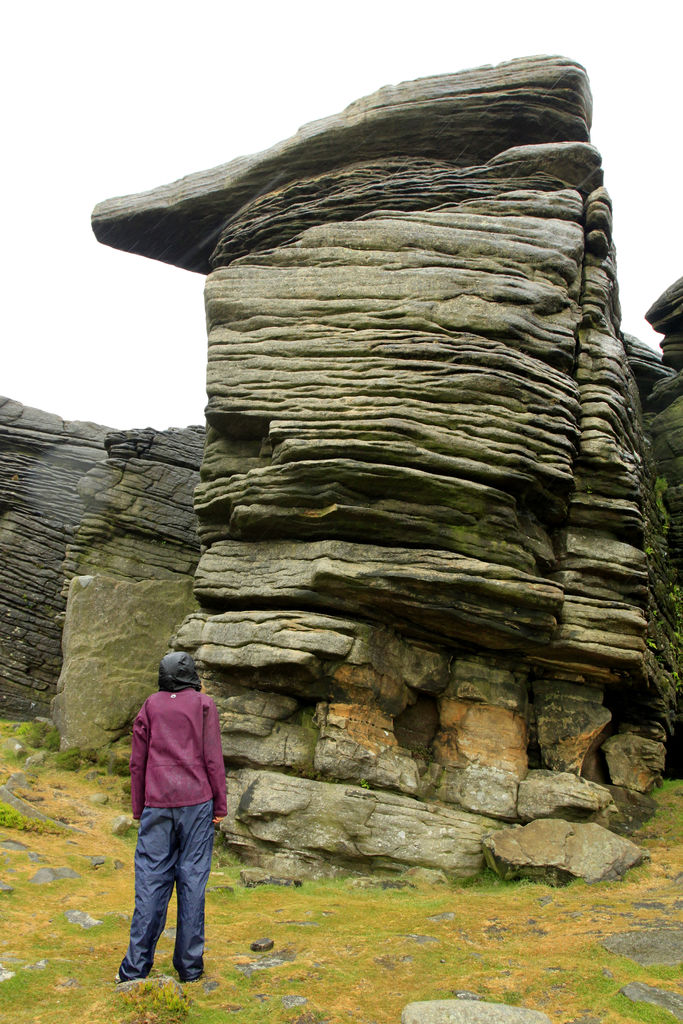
(39, 735)
(69, 760)
(11, 818)
(153, 1002)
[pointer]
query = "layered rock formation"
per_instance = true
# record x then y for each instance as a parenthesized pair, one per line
(128, 575)
(664, 408)
(138, 521)
(76, 499)
(42, 458)
(432, 554)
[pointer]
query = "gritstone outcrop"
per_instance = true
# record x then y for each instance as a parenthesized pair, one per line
(42, 458)
(78, 499)
(432, 553)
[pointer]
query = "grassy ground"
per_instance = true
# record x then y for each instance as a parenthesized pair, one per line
(356, 954)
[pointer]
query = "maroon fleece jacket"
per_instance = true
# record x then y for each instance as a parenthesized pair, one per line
(176, 758)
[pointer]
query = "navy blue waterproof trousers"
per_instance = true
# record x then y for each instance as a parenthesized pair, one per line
(174, 847)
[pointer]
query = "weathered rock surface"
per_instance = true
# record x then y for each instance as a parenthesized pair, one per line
(42, 458)
(66, 509)
(115, 634)
(666, 316)
(466, 1011)
(433, 561)
(138, 521)
(471, 116)
(128, 575)
(635, 762)
(556, 851)
(638, 992)
(289, 824)
(649, 946)
(546, 794)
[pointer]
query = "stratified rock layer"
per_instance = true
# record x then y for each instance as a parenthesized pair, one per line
(42, 458)
(465, 118)
(138, 521)
(666, 316)
(426, 504)
(129, 573)
(77, 498)
(664, 408)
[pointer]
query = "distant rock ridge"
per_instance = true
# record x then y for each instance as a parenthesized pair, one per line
(664, 416)
(42, 458)
(78, 498)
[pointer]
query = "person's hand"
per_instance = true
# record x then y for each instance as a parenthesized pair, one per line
(217, 821)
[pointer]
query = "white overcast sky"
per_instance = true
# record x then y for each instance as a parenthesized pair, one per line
(107, 98)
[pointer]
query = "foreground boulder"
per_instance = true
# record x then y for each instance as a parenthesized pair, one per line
(290, 825)
(555, 851)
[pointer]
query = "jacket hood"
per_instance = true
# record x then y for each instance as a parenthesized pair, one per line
(177, 672)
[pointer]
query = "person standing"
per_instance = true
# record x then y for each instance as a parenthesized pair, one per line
(178, 793)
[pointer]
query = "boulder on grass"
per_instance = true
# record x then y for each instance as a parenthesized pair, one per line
(556, 851)
(468, 1011)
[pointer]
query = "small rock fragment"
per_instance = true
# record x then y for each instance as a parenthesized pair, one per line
(121, 824)
(162, 981)
(45, 875)
(289, 1002)
(251, 877)
(261, 945)
(80, 917)
(638, 992)
(266, 962)
(648, 946)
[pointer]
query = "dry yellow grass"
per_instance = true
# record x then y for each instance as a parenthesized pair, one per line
(358, 954)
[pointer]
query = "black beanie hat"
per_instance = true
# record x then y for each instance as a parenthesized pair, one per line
(177, 672)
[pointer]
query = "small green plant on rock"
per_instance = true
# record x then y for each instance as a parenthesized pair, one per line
(69, 760)
(11, 818)
(661, 486)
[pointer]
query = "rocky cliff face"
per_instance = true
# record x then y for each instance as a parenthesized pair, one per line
(664, 418)
(433, 561)
(138, 521)
(42, 458)
(77, 499)
(128, 575)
